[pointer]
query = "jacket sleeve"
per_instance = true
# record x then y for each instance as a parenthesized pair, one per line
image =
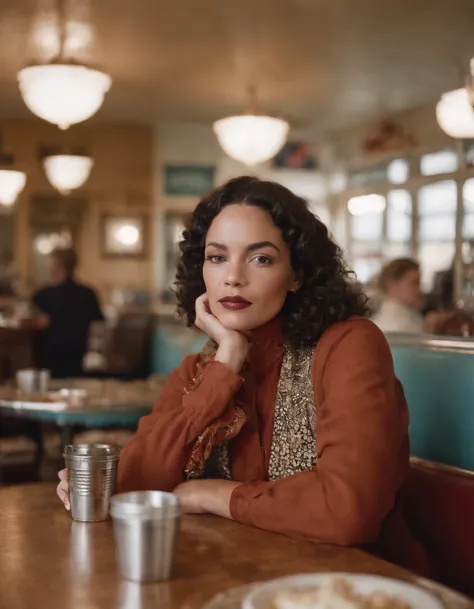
(362, 444)
(156, 456)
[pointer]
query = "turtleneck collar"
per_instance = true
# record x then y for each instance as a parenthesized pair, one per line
(267, 345)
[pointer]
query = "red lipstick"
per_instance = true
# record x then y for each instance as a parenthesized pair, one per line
(234, 303)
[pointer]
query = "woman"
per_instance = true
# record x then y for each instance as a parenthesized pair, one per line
(291, 419)
(400, 284)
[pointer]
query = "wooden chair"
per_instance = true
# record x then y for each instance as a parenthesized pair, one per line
(439, 507)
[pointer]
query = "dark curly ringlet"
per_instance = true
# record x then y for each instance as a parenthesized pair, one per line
(326, 295)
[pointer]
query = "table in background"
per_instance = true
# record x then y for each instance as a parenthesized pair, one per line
(48, 561)
(122, 405)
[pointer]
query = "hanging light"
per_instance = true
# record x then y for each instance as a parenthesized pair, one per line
(11, 184)
(251, 139)
(66, 172)
(63, 92)
(455, 114)
(454, 111)
(366, 204)
(12, 181)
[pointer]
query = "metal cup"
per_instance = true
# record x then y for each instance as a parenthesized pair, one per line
(31, 381)
(145, 527)
(92, 477)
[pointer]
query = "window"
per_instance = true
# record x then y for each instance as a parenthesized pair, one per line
(437, 228)
(398, 171)
(367, 267)
(434, 163)
(468, 205)
(399, 216)
(437, 211)
(399, 225)
(366, 229)
(366, 217)
(434, 257)
(438, 198)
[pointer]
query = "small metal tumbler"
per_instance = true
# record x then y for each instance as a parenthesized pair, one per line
(145, 527)
(30, 381)
(92, 477)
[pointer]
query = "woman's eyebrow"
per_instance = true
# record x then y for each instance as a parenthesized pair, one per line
(250, 248)
(260, 244)
(218, 246)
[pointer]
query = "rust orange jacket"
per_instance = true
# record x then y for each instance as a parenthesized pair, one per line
(352, 497)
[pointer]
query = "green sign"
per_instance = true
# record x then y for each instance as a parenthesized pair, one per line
(188, 180)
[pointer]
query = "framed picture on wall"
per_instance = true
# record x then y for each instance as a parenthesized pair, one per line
(188, 180)
(124, 236)
(295, 155)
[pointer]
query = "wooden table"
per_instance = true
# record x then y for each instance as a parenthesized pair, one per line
(47, 561)
(119, 404)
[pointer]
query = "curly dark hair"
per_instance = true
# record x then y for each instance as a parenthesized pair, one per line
(325, 295)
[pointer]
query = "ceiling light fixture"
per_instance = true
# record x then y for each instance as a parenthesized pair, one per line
(11, 184)
(67, 172)
(63, 92)
(251, 138)
(454, 111)
(12, 181)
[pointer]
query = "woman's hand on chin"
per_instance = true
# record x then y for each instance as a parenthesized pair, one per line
(233, 346)
(206, 496)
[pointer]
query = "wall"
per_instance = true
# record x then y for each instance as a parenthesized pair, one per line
(344, 148)
(121, 181)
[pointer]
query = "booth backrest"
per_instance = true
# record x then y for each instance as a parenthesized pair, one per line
(439, 508)
(438, 379)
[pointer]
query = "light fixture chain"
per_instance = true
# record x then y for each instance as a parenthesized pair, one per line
(62, 26)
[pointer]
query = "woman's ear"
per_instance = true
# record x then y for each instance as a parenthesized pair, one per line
(295, 285)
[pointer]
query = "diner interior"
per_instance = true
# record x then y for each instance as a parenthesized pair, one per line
(116, 118)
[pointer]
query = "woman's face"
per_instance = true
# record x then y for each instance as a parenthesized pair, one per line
(407, 289)
(247, 268)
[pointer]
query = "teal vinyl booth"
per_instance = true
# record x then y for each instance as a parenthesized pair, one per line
(437, 374)
(171, 342)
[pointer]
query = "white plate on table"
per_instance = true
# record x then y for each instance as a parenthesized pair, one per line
(418, 598)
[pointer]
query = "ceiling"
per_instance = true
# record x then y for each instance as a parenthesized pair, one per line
(324, 64)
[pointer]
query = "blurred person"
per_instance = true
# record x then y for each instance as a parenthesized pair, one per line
(402, 298)
(66, 310)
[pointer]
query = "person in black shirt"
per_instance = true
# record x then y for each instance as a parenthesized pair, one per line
(66, 311)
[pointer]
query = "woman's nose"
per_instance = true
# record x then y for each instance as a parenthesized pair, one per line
(235, 276)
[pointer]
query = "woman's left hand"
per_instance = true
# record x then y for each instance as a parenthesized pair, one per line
(206, 496)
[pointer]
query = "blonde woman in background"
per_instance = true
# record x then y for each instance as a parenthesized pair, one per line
(400, 284)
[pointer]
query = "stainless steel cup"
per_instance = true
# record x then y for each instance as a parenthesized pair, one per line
(92, 477)
(31, 381)
(145, 527)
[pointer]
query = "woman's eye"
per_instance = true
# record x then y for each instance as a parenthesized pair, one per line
(215, 258)
(262, 260)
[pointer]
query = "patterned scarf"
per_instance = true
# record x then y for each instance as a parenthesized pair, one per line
(293, 447)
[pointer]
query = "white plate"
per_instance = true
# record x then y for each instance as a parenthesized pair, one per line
(418, 598)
